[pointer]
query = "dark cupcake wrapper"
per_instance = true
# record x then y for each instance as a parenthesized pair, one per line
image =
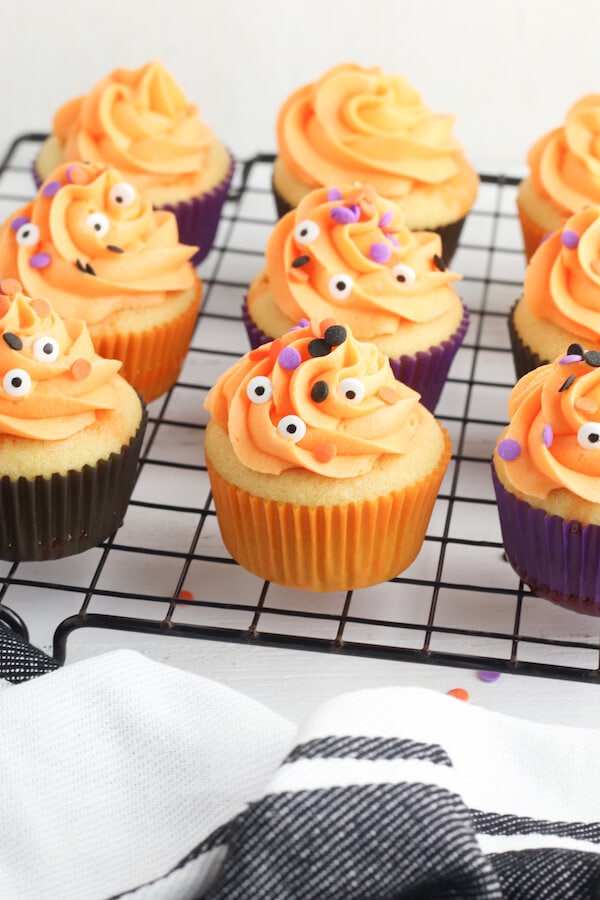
(425, 371)
(524, 358)
(49, 518)
(557, 558)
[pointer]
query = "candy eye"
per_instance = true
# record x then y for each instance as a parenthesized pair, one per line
(259, 389)
(306, 232)
(17, 382)
(98, 222)
(28, 235)
(123, 194)
(340, 286)
(46, 349)
(351, 389)
(403, 273)
(292, 428)
(588, 436)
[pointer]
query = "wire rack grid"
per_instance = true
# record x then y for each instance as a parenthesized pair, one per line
(166, 570)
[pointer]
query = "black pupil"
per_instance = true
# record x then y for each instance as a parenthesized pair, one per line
(47, 349)
(304, 232)
(119, 198)
(340, 285)
(25, 233)
(400, 277)
(291, 429)
(259, 391)
(98, 226)
(350, 395)
(594, 437)
(16, 381)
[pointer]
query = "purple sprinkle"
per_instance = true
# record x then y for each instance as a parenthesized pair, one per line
(548, 435)
(303, 323)
(546, 236)
(379, 253)
(40, 260)
(334, 194)
(489, 676)
(16, 223)
(289, 358)
(386, 218)
(509, 449)
(343, 215)
(570, 358)
(50, 189)
(569, 239)
(392, 240)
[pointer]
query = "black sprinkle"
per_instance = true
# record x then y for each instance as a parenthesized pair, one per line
(80, 265)
(335, 335)
(300, 261)
(89, 269)
(439, 262)
(566, 383)
(114, 248)
(13, 340)
(319, 391)
(319, 347)
(575, 350)
(592, 358)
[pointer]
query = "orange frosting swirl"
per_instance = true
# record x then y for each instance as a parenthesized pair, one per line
(93, 246)
(357, 122)
(565, 163)
(52, 383)
(562, 282)
(138, 121)
(347, 254)
(553, 439)
(315, 399)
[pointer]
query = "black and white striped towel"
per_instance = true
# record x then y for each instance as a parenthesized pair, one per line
(174, 787)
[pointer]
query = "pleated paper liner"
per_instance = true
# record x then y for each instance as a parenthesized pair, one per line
(152, 359)
(335, 548)
(49, 518)
(524, 357)
(558, 559)
(425, 371)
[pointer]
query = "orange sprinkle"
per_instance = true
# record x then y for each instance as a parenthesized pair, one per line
(388, 395)
(41, 306)
(80, 369)
(275, 348)
(586, 404)
(298, 274)
(10, 286)
(459, 693)
(324, 453)
(186, 595)
(595, 266)
(78, 175)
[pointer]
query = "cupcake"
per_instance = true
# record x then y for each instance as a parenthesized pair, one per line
(546, 472)
(70, 433)
(346, 254)
(560, 304)
(140, 122)
(93, 246)
(324, 468)
(362, 124)
(564, 173)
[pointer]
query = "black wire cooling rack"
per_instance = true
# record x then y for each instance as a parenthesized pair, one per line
(166, 571)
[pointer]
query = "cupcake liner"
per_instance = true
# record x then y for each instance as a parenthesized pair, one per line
(558, 559)
(49, 518)
(425, 371)
(533, 235)
(335, 548)
(524, 358)
(152, 359)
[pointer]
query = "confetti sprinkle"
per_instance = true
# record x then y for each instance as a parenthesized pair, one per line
(509, 449)
(334, 194)
(80, 369)
(319, 391)
(319, 347)
(324, 453)
(489, 676)
(344, 215)
(569, 239)
(51, 188)
(289, 359)
(566, 384)
(300, 261)
(379, 253)
(386, 218)
(10, 286)
(459, 693)
(569, 358)
(41, 306)
(592, 358)
(439, 263)
(17, 222)
(185, 595)
(40, 260)
(388, 395)
(334, 335)
(548, 436)
(13, 340)
(77, 175)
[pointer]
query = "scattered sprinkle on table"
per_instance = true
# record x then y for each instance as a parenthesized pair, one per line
(489, 676)
(459, 693)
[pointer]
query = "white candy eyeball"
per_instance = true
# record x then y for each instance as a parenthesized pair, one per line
(17, 383)
(306, 232)
(46, 349)
(340, 286)
(259, 389)
(292, 428)
(28, 235)
(351, 389)
(588, 436)
(123, 194)
(403, 273)
(98, 222)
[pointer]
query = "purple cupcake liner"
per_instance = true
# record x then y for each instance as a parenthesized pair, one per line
(425, 371)
(558, 559)
(524, 358)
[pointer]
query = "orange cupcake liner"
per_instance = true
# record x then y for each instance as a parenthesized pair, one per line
(334, 548)
(152, 359)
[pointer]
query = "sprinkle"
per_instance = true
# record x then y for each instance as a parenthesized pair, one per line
(586, 405)
(40, 260)
(335, 335)
(319, 347)
(379, 253)
(319, 391)
(344, 215)
(41, 306)
(392, 239)
(489, 676)
(459, 693)
(18, 221)
(334, 194)
(439, 262)
(324, 453)
(13, 340)
(10, 286)
(566, 384)
(114, 248)
(569, 239)
(386, 218)
(570, 358)
(275, 348)
(300, 261)
(80, 369)
(289, 359)
(592, 358)
(77, 175)
(51, 188)
(298, 274)
(509, 449)
(185, 595)
(548, 436)
(388, 395)
(303, 323)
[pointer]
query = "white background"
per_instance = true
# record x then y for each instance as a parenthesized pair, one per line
(508, 70)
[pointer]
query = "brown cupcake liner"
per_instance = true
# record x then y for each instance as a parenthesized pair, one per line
(49, 518)
(524, 357)
(335, 548)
